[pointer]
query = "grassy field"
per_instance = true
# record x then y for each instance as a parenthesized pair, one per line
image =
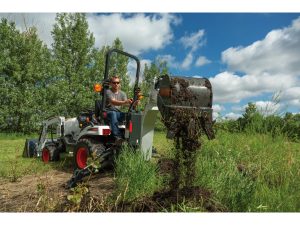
(252, 172)
(13, 166)
(244, 172)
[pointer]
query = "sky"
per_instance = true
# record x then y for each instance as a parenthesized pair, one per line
(248, 57)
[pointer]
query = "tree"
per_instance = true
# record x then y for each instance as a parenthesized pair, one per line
(252, 120)
(156, 69)
(118, 66)
(24, 69)
(74, 55)
(250, 111)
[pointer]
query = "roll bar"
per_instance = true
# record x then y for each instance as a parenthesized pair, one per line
(107, 60)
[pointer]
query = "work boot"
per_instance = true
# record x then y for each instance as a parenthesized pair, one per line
(119, 140)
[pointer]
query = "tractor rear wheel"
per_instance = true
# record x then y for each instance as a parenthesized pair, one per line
(81, 152)
(86, 148)
(50, 153)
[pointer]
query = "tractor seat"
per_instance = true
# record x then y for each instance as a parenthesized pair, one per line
(106, 120)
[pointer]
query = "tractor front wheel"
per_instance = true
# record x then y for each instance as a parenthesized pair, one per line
(50, 153)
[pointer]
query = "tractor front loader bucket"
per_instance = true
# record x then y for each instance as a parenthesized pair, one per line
(30, 148)
(185, 97)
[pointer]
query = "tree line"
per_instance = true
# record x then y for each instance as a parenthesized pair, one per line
(37, 81)
(253, 121)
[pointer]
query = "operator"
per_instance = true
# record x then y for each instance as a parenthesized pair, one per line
(115, 99)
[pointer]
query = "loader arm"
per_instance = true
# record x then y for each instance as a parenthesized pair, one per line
(59, 122)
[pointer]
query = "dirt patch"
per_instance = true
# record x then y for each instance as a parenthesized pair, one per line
(47, 192)
(186, 199)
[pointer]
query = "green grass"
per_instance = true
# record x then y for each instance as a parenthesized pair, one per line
(251, 172)
(163, 145)
(13, 166)
(244, 172)
(135, 177)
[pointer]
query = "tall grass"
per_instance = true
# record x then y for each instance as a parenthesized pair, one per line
(251, 172)
(135, 177)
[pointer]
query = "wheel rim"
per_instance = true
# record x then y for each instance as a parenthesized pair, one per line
(81, 157)
(45, 155)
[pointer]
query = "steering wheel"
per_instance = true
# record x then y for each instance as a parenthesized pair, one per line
(132, 105)
(136, 91)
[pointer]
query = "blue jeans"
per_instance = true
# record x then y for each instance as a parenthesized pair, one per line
(114, 119)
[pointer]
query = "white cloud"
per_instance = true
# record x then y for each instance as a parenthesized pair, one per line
(42, 21)
(267, 107)
(131, 68)
(232, 116)
(278, 52)
(185, 64)
(264, 107)
(170, 59)
(217, 111)
(218, 108)
(173, 63)
(138, 32)
(237, 108)
(194, 40)
(187, 61)
(228, 87)
(201, 61)
(270, 65)
(291, 97)
(294, 102)
(291, 93)
(191, 41)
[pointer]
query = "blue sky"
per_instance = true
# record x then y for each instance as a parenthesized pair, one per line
(222, 31)
(246, 56)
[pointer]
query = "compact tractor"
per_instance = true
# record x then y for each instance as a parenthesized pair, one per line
(89, 135)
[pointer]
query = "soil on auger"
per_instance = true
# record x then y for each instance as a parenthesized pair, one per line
(185, 125)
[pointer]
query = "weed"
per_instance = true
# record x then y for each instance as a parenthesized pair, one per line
(135, 177)
(77, 195)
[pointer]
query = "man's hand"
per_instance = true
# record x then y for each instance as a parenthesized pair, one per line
(136, 102)
(128, 101)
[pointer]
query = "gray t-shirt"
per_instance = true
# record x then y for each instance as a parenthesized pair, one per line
(120, 96)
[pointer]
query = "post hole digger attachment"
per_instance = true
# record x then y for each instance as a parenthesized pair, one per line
(185, 104)
(179, 96)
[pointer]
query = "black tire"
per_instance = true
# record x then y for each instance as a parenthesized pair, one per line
(98, 150)
(87, 148)
(50, 153)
